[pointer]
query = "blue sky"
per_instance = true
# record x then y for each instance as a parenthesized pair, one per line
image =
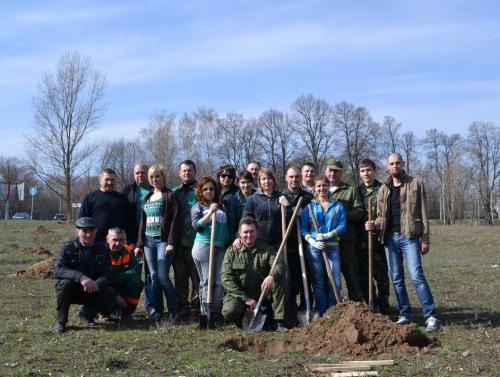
(430, 64)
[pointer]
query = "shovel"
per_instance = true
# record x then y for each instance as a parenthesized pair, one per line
(371, 303)
(325, 259)
(254, 320)
(304, 317)
(205, 320)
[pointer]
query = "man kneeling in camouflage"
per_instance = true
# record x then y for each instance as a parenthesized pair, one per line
(245, 273)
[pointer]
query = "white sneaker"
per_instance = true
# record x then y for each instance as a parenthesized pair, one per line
(432, 324)
(403, 321)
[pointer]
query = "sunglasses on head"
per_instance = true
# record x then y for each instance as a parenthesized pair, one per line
(227, 176)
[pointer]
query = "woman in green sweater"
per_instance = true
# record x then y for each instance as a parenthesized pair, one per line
(208, 195)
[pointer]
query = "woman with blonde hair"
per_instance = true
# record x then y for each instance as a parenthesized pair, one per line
(158, 236)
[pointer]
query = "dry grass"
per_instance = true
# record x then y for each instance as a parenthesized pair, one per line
(460, 268)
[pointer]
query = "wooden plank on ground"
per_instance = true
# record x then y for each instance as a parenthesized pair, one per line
(354, 374)
(370, 362)
(356, 362)
(339, 368)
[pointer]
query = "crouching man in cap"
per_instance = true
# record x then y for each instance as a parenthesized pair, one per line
(82, 270)
(125, 272)
(245, 273)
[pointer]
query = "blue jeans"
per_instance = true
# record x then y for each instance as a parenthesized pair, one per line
(397, 247)
(148, 290)
(323, 293)
(159, 267)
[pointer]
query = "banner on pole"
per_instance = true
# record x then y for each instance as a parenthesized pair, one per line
(12, 191)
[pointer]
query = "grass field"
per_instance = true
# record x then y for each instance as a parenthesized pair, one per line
(462, 269)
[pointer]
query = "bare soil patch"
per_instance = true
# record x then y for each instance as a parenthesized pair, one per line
(41, 229)
(41, 269)
(36, 251)
(348, 329)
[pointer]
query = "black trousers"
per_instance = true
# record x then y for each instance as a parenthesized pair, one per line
(380, 274)
(68, 292)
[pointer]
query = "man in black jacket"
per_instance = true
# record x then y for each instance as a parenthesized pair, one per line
(106, 206)
(82, 270)
(135, 193)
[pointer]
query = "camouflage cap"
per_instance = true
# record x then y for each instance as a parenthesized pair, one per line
(85, 223)
(335, 165)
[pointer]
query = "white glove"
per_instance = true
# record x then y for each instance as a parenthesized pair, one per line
(283, 201)
(325, 236)
(316, 244)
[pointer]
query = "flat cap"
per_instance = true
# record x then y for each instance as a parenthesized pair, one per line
(85, 222)
(335, 165)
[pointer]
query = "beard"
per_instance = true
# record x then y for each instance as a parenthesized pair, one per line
(398, 175)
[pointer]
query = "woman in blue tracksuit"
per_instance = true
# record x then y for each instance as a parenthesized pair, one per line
(331, 218)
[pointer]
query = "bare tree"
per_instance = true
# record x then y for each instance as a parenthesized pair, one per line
(66, 110)
(160, 143)
(249, 141)
(390, 135)
(314, 126)
(484, 149)
(358, 135)
(230, 128)
(121, 156)
(268, 124)
(408, 145)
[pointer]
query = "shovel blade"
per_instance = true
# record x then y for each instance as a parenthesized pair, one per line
(253, 320)
(206, 322)
(304, 317)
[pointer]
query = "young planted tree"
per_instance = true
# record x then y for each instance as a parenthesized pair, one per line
(67, 108)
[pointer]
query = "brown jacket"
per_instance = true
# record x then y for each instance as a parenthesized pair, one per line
(414, 220)
(170, 220)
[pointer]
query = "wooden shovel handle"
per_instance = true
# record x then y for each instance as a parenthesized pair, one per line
(211, 258)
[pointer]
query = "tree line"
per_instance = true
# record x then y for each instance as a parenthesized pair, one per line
(462, 172)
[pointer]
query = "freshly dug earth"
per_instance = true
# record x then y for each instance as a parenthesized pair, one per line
(349, 329)
(41, 269)
(36, 251)
(41, 229)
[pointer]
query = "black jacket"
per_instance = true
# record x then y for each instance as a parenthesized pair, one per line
(130, 191)
(71, 263)
(267, 213)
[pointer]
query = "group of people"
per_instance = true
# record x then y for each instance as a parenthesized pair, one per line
(243, 218)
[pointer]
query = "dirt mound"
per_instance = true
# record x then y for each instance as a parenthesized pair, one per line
(41, 229)
(349, 329)
(36, 251)
(41, 269)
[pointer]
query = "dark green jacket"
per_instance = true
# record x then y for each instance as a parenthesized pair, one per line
(186, 197)
(367, 193)
(235, 206)
(348, 195)
(244, 269)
